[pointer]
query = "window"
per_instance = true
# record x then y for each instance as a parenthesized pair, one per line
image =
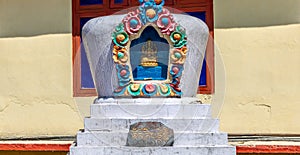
(84, 10)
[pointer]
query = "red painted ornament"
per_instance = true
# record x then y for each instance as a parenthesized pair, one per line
(119, 89)
(123, 72)
(150, 88)
(175, 70)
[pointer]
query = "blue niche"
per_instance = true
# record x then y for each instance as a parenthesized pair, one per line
(149, 56)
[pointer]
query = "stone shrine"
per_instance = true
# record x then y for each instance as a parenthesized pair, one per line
(146, 66)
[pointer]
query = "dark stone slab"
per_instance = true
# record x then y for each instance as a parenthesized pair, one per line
(147, 134)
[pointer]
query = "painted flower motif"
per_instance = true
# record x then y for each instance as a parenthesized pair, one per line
(120, 91)
(150, 9)
(176, 71)
(123, 75)
(120, 37)
(134, 89)
(164, 89)
(178, 37)
(120, 55)
(175, 86)
(183, 50)
(166, 22)
(132, 22)
(149, 89)
(178, 56)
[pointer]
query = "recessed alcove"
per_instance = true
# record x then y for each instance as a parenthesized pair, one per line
(149, 56)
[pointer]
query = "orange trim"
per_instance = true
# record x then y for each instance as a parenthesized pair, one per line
(34, 147)
(240, 149)
(268, 149)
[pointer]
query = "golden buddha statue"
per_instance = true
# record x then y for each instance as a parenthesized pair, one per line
(149, 54)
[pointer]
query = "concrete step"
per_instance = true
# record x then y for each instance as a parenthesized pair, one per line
(182, 150)
(120, 138)
(151, 109)
(177, 124)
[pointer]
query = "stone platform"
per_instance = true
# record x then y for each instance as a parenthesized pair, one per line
(195, 131)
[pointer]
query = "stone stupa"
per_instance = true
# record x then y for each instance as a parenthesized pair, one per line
(146, 66)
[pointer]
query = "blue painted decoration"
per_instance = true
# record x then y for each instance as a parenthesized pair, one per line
(118, 1)
(90, 2)
(149, 73)
(86, 76)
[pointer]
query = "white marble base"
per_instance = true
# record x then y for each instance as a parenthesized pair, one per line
(119, 138)
(195, 131)
(177, 124)
(150, 108)
(181, 150)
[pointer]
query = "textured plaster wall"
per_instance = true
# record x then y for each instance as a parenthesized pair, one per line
(36, 69)
(262, 79)
(259, 42)
(36, 87)
(262, 67)
(34, 17)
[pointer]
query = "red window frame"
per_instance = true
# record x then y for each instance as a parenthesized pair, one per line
(108, 7)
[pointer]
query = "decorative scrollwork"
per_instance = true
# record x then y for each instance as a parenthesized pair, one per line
(150, 11)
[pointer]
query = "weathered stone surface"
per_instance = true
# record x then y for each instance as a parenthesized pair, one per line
(148, 134)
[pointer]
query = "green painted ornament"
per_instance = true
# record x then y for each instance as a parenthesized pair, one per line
(120, 55)
(134, 89)
(177, 55)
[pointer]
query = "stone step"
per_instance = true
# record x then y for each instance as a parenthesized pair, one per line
(120, 138)
(177, 124)
(166, 109)
(182, 150)
(183, 100)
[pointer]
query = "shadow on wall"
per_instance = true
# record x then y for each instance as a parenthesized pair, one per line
(34, 17)
(255, 13)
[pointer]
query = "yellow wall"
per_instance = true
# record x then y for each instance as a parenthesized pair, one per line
(259, 42)
(36, 69)
(262, 79)
(34, 17)
(261, 63)
(255, 13)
